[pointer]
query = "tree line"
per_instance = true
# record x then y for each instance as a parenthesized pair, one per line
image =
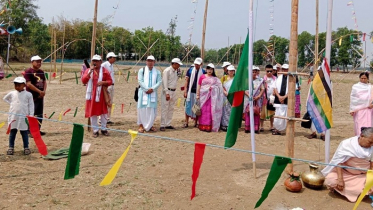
(347, 46)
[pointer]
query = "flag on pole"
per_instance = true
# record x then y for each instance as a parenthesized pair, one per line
(236, 96)
(319, 102)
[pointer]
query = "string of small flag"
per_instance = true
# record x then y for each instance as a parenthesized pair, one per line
(191, 21)
(271, 13)
(351, 5)
(74, 158)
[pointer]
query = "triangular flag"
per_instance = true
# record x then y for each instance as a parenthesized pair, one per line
(46, 76)
(114, 170)
(75, 152)
(51, 115)
(112, 109)
(35, 132)
(9, 126)
(76, 111)
(60, 116)
(199, 151)
(76, 77)
(9, 75)
(128, 75)
(66, 112)
(278, 166)
(54, 75)
(2, 124)
(340, 41)
(368, 185)
(178, 102)
(236, 96)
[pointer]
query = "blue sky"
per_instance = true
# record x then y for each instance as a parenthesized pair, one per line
(225, 18)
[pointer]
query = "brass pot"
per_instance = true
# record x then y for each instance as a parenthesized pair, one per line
(313, 179)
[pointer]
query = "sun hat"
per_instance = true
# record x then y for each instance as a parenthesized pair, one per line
(96, 58)
(176, 60)
(19, 80)
(35, 58)
(225, 63)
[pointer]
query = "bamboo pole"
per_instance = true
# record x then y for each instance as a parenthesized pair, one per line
(55, 51)
(316, 63)
(293, 61)
(63, 50)
(50, 71)
(93, 43)
(204, 30)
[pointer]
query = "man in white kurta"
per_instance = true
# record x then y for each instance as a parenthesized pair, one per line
(149, 79)
(280, 90)
(21, 105)
(169, 82)
(109, 65)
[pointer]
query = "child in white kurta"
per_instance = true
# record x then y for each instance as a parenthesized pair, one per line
(21, 105)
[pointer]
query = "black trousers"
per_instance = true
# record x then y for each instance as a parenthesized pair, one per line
(38, 109)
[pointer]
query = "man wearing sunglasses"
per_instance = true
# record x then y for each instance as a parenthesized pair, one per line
(268, 111)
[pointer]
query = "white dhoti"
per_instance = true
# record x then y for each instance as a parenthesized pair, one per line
(146, 117)
(168, 108)
(280, 124)
(103, 120)
(110, 90)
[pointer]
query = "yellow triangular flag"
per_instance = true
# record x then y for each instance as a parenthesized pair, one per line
(178, 102)
(2, 124)
(368, 185)
(114, 170)
(340, 41)
(112, 109)
(60, 117)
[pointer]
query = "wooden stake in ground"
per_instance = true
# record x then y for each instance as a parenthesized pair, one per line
(293, 61)
(204, 30)
(93, 43)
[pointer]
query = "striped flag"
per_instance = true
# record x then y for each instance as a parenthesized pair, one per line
(319, 102)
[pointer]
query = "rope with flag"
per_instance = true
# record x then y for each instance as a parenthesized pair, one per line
(319, 102)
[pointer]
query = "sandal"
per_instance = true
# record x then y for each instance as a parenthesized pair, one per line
(95, 134)
(105, 133)
(10, 151)
(322, 137)
(141, 130)
(153, 129)
(261, 130)
(26, 151)
(185, 125)
(276, 132)
(312, 136)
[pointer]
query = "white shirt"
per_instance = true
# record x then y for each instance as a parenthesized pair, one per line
(20, 103)
(108, 66)
(169, 79)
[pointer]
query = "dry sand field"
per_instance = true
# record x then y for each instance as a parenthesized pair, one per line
(156, 173)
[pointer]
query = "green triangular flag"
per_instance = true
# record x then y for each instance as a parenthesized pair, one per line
(9, 75)
(128, 75)
(46, 76)
(75, 152)
(351, 38)
(278, 166)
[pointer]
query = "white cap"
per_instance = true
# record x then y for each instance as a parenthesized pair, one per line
(285, 66)
(198, 61)
(256, 68)
(110, 54)
(96, 58)
(176, 60)
(225, 63)
(36, 58)
(150, 57)
(231, 68)
(19, 80)
(211, 65)
(274, 68)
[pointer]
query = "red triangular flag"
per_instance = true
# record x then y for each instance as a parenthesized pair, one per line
(35, 132)
(66, 112)
(199, 150)
(54, 74)
(10, 125)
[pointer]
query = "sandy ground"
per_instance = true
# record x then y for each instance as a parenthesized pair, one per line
(157, 173)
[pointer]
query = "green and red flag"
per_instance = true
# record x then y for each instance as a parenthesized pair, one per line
(236, 96)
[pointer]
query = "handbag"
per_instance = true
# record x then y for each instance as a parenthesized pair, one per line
(256, 109)
(196, 109)
(308, 123)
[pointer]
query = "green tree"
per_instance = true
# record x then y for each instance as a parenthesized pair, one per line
(305, 44)
(348, 53)
(259, 52)
(281, 46)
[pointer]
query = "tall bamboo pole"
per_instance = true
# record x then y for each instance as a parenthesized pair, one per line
(50, 71)
(54, 50)
(204, 30)
(328, 47)
(93, 43)
(316, 63)
(293, 61)
(63, 51)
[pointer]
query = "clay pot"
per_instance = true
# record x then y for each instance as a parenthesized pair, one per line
(313, 179)
(293, 183)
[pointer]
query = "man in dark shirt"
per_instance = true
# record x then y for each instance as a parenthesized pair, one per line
(37, 86)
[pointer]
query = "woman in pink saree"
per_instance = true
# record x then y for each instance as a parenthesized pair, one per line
(210, 95)
(361, 103)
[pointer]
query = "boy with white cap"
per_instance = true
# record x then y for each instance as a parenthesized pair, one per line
(21, 105)
(149, 79)
(109, 65)
(190, 89)
(169, 81)
(36, 84)
(96, 77)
